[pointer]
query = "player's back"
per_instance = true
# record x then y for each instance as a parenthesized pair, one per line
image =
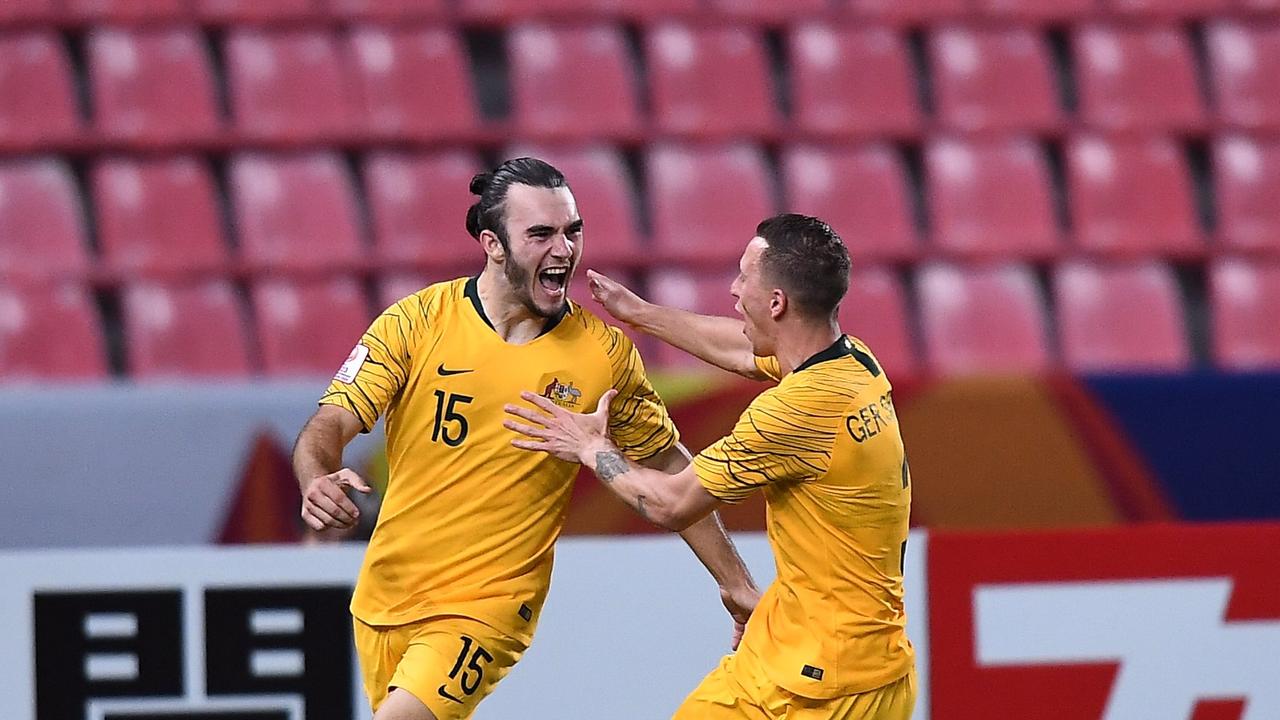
(468, 522)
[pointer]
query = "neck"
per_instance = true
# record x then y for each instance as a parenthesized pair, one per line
(510, 318)
(799, 341)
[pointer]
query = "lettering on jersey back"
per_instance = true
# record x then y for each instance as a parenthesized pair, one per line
(868, 420)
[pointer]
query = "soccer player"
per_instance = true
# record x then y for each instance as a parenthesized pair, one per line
(828, 639)
(460, 559)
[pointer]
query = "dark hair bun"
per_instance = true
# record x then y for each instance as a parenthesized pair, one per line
(481, 182)
(473, 220)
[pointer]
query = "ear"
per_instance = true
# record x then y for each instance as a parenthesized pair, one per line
(777, 303)
(492, 246)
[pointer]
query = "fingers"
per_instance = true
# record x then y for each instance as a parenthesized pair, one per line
(526, 414)
(526, 430)
(347, 477)
(341, 509)
(605, 400)
(541, 402)
(530, 445)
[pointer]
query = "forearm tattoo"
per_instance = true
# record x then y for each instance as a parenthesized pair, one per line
(610, 464)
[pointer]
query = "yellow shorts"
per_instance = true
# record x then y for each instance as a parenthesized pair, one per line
(739, 690)
(449, 662)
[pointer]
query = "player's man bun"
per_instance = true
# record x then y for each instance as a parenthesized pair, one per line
(487, 212)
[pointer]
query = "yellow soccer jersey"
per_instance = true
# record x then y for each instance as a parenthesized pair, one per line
(468, 521)
(825, 448)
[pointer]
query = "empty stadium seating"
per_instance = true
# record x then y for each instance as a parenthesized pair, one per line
(1248, 185)
(1167, 9)
(907, 12)
(287, 85)
(1035, 11)
(134, 75)
(1123, 317)
(184, 330)
(503, 11)
(42, 232)
(394, 286)
(158, 216)
(251, 11)
(875, 310)
(849, 81)
(125, 11)
(862, 192)
(1131, 197)
(39, 106)
(702, 293)
(994, 80)
(709, 81)
(307, 327)
(1137, 78)
(990, 199)
(411, 83)
(1242, 61)
(574, 82)
(706, 201)
(295, 212)
(50, 333)
(418, 205)
(984, 321)
(1245, 304)
(387, 10)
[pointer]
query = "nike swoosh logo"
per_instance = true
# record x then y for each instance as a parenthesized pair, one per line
(445, 694)
(443, 371)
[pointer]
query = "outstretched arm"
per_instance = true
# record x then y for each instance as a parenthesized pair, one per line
(712, 545)
(715, 340)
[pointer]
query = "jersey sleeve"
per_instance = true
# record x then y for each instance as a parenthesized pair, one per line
(378, 366)
(777, 439)
(638, 421)
(769, 366)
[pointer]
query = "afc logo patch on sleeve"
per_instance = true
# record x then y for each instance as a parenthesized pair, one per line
(347, 373)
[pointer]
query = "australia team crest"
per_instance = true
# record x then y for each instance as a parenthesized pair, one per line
(563, 394)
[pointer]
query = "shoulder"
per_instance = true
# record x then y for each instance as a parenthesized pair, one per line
(610, 338)
(432, 301)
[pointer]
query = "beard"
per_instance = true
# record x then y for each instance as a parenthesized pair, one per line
(521, 281)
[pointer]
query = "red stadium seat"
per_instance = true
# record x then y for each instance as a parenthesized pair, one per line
(861, 192)
(506, 11)
(558, 73)
(382, 10)
(1168, 9)
(419, 207)
(706, 293)
(709, 81)
(769, 11)
(308, 327)
(39, 104)
(412, 83)
(997, 80)
(982, 321)
(287, 85)
(706, 201)
(1036, 11)
(295, 212)
(603, 190)
(184, 331)
(133, 74)
(1245, 302)
(50, 333)
(1115, 71)
(908, 12)
(875, 310)
(1120, 318)
(1262, 7)
(1131, 197)
(394, 286)
(126, 11)
(158, 216)
(29, 12)
(852, 81)
(1247, 174)
(42, 230)
(252, 11)
(1243, 61)
(991, 199)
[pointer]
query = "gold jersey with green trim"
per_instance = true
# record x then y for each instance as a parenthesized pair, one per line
(468, 522)
(824, 447)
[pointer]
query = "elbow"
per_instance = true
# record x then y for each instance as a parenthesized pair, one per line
(674, 519)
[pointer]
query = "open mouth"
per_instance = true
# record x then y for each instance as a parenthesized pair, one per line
(553, 280)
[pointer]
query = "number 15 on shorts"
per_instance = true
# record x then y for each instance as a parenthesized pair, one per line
(467, 672)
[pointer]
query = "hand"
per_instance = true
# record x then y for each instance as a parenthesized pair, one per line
(325, 504)
(740, 603)
(615, 297)
(556, 431)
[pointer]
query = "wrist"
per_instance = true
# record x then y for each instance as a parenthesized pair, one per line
(587, 456)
